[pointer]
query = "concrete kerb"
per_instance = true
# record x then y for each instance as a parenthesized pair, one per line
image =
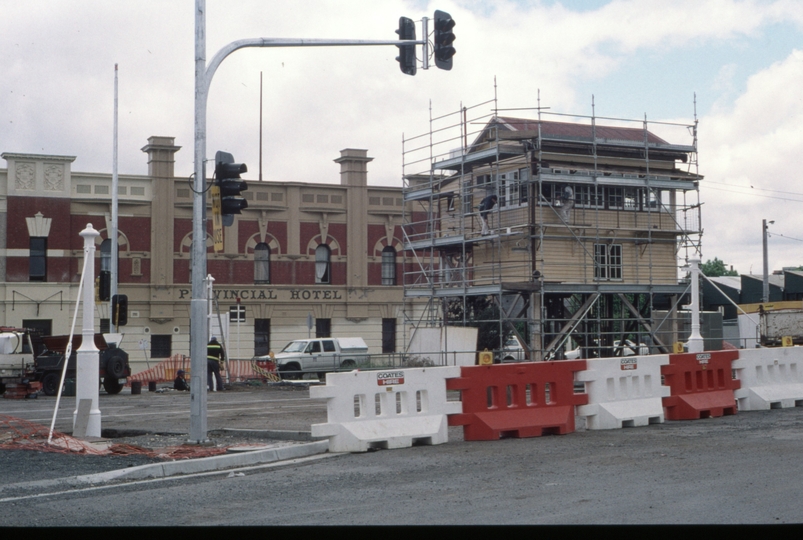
(227, 461)
(274, 434)
(186, 466)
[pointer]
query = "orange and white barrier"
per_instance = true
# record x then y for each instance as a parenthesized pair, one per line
(164, 370)
(623, 392)
(385, 409)
(770, 378)
(701, 385)
(529, 399)
(238, 370)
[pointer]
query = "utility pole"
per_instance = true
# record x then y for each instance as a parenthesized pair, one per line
(765, 293)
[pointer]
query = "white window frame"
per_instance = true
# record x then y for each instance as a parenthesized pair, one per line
(586, 197)
(608, 262)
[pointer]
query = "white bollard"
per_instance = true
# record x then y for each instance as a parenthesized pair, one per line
(87, 370)
(770, 378)
(623, 392)
(395, 408)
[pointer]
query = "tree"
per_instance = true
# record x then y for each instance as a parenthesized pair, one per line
(717, 268)
(481, 313)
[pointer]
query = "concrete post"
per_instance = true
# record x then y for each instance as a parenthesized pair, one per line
(87, 371)
(695, 342)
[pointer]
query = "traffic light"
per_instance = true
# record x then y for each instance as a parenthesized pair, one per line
(444, 37)
(406, 58)
(104, 285)
(535, 166)
(119, 310)
(227, 178)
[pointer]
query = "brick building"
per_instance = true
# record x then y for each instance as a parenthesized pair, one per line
(329, 253)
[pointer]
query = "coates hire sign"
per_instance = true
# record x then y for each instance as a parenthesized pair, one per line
(389, 378)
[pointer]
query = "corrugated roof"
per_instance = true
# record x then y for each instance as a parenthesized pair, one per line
(774, 279)
(570, 130)
(734, 282)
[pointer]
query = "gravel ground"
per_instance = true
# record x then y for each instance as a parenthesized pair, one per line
(18, 466)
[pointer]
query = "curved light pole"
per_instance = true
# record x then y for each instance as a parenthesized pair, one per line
(203, 79)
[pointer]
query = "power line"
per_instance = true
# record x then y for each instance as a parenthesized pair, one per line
(754, 188)
(786, 199)
(785, 236)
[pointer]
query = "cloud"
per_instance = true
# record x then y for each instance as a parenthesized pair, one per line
(755, 143)
(56, 89)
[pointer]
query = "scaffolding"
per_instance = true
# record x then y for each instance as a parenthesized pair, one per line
(582, 249)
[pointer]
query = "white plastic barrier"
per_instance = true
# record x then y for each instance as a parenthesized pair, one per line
(623, 392)
(386, 409)
(770, 378)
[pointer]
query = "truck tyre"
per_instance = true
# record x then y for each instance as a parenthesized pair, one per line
(292, 372)
(348, 364)
(115, 367)
(50, 383)
(112, 385)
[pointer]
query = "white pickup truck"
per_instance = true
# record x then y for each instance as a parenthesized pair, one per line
(320, 356)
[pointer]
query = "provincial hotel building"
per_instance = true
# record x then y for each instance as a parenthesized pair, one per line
(325, 254)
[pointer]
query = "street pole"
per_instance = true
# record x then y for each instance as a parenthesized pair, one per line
(203, 79)
(198, 328)
(87, 368)
(112, 232)
(765, 293)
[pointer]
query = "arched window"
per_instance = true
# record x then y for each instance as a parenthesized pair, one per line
(323, 264)
(261, 263)
(389, 266)
(106, 255)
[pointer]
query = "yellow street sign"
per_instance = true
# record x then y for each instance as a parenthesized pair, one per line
(217, 220)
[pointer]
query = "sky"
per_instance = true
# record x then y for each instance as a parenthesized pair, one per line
(735, 64)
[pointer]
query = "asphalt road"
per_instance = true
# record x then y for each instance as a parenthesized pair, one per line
(731, 470)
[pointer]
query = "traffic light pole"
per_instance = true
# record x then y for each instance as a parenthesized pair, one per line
(203, 79)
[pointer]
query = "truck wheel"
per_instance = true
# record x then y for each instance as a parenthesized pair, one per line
(115, 367)
(348, 364)
(50, 384)
(292, 372)
(112, 385)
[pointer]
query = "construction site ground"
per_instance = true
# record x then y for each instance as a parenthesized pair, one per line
(742, 468)
(245, 414)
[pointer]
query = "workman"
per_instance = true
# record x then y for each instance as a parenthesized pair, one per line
(215, 356)
(485, 208)
(180, 383)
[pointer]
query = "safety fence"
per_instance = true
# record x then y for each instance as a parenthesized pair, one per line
(701, 385)
(517, 400)
(395, 408)
(623, 392)
(237, 370)
(385, 409)
(770, 378)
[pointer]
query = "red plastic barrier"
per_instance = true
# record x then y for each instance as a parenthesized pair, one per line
(517, 400)
(701, 385)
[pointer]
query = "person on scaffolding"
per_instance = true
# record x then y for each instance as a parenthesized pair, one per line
(180, 383)
(485, 208)
(215, 356)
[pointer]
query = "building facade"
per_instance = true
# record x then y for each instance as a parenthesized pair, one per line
(325, 254)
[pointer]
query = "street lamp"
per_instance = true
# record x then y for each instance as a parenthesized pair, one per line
(765, 295)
